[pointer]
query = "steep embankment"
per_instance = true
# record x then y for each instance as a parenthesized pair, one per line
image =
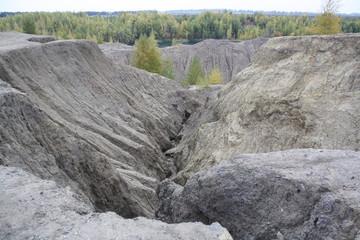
(70, 115)
(230, 57)
(299, 92)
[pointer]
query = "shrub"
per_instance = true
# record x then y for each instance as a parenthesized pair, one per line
(215, 76)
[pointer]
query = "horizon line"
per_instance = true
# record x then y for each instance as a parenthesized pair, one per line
(179, 10)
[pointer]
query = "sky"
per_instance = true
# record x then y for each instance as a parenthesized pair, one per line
(346, 6)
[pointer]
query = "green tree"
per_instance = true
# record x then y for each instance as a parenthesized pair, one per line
(327, 22)
(215, 76)
(28, 25)
(195, 74)
(167, 69)
(185, 82)
(229, 32)
(147, 54)
(203, 83)
(175, 42)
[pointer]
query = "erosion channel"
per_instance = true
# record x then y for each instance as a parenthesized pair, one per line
(93, 149)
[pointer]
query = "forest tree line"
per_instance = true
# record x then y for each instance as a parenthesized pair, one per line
(128, 27)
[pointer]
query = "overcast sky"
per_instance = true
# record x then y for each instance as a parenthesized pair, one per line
(346, 6)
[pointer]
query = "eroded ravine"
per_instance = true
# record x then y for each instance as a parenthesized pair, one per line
(111, 132)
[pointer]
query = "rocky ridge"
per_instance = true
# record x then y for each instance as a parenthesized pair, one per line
(230, 57)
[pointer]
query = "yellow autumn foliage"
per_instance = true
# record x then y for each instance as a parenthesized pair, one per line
(215, 76)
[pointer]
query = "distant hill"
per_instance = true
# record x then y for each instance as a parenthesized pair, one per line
(4, 14)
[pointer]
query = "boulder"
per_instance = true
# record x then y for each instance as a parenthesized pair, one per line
(31, 208)
(299, 92)
(299, 194)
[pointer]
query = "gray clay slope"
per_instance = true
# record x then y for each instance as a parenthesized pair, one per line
(299, 92)
(70, 115)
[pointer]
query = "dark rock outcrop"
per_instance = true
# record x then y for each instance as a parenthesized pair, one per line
(230, 57)
(70, 115)
(299, 92)
(31, 208)
(295, 194)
